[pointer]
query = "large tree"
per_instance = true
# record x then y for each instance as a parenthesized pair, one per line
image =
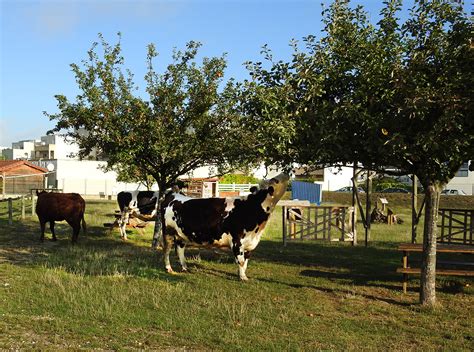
(391, 96)
(185, 123)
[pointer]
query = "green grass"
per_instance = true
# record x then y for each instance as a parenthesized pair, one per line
(107, 294)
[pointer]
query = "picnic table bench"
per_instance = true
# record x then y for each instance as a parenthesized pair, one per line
(466, 270)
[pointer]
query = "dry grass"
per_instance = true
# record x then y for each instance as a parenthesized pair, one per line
(112, 295)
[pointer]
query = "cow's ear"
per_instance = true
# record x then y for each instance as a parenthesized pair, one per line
(270, 190)
(253, 189)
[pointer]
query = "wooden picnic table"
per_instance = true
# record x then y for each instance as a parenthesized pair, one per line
(440, 248)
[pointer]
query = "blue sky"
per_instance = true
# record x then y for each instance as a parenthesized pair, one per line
(41, 38)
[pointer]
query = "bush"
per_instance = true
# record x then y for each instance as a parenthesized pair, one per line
(238, 178)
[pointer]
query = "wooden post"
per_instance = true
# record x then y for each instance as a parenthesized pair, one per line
(442, 225)
(354, 212)
(471, 228)
(465, 228)
(316, 219)
(414, 208)
(324, 222)
(308, 228)
(4, 184)
(450, 228)
(329, 223)
(284, 224)
(405, 275)
(32, 204)
(10, 211)
(23, 206)
(343, 227)
(367, 208)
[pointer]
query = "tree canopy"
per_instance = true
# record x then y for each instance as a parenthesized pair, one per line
(185, 123)
(387, 95)
(396, 97)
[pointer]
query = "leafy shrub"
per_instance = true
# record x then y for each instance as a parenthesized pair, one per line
(238, 178)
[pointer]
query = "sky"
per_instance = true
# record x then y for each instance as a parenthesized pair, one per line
(39, 39)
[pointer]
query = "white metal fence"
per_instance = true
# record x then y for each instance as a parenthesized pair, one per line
(235, 187)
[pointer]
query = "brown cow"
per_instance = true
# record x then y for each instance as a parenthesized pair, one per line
(53, 207)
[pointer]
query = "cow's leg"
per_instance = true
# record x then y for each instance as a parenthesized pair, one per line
(168, 241)
(182, 259)
(123, 224)
(75, 233)
(240, 259)
(51, 226)
(243, 268)
(42, 226)
(76, 228)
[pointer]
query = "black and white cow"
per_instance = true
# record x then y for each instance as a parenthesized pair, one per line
(237, 223)
(138, 204)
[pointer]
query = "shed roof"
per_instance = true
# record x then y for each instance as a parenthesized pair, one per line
(6, 165)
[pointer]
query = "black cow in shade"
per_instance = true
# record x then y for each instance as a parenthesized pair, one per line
(237, 223)
(140, 204)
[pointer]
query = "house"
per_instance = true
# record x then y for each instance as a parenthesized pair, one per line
(20, 176)
(63, 170)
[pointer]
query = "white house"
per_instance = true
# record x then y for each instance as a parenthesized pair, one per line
(85, 177)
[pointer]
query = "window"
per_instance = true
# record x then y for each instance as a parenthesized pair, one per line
(463, 170)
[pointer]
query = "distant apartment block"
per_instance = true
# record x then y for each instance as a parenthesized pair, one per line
(47, 147)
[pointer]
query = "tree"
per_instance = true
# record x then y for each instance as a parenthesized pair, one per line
(395, 97)
(185, 124)
(132, 174)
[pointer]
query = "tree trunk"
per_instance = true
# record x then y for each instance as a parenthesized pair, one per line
(428, 265)
(157, 232)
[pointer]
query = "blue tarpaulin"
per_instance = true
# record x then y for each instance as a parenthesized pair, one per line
(306, 191)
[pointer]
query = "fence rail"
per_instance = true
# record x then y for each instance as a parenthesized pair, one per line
(10, 208)
(457, 226)
(235, 187)
(318, 223)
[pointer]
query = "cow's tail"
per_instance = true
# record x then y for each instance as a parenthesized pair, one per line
(84, 227)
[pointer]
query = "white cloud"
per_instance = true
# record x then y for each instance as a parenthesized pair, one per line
(51, 18)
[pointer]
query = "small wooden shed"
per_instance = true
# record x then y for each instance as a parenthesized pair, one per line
(19, 176)
(201, 187)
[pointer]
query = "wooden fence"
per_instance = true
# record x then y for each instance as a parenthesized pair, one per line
(456, 226)
(10, 208)
(311, 222)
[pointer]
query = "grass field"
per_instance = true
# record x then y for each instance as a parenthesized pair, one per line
(106, 294)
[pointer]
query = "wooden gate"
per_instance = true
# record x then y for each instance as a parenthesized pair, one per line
(456, 226)
(312, 222)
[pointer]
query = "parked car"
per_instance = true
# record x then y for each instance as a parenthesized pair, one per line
(394, 190)
(348, 189)
(454, 192)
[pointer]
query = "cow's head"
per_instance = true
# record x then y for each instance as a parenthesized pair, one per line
(278, 184)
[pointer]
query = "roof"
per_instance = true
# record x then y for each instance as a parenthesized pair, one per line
(204, 179)
(6, 165)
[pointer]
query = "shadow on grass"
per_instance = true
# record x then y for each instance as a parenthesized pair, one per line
(98, 253)
(102, 253)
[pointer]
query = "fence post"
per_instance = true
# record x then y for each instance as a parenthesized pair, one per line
(4, 185)
(32, 204)
(343, 227)
(283, 212)
(23, 206)
(10, 211)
